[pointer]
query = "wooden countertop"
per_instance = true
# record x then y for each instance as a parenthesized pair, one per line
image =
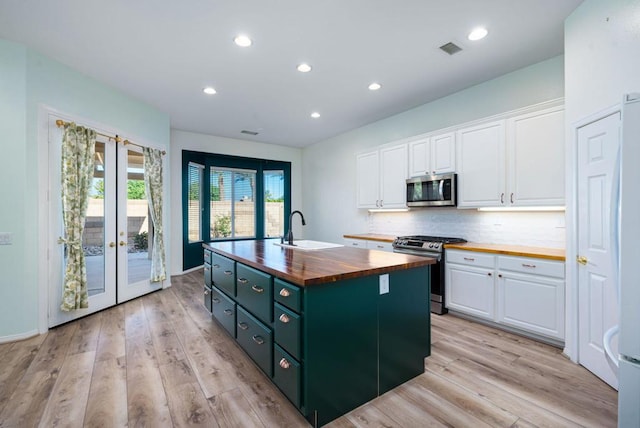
(372, 237)
(512, 250)
(317, 266)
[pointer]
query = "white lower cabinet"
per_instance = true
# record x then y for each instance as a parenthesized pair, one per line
(368, 244)
(521, 292)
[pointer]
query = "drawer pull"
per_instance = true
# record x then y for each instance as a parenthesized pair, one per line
(489, 273)
(206, 292)
(243, 280)
(207, 269)
(215, 300)
(470, 259)
(380, 246)
(243, 325)
(284, 292)
(228, 272)
(257, 289)
(284, 363)
(258, 339)
(216, 266)
(228, 312)
(528, 265)
(284, 318)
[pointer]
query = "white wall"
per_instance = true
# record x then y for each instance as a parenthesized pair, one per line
(329, 166)
(602, 62)
(28, 80)
(183, 140)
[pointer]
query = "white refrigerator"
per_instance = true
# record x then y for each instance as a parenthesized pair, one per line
(628, 259)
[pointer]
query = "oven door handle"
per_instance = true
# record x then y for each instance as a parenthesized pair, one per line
(437, 256)
(441, 190)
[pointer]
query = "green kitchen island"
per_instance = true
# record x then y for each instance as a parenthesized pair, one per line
(332, 328)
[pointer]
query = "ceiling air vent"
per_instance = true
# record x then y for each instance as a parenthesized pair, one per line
(244, 131)
(451, 48)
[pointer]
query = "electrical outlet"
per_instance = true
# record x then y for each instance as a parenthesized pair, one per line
(384, 283)
(5, 238)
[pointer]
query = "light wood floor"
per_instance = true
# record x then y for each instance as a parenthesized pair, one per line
(160, 361)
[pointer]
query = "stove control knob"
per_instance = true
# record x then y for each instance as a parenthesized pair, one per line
(436, 246)
(431, 245)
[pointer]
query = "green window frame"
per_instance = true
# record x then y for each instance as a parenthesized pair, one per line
(228, 186)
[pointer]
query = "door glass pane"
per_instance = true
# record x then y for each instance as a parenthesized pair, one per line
(194, 202)
(138, 220)
(233, 206)
(273, 203)
(93, 238)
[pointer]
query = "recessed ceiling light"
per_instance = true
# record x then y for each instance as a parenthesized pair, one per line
(209, 90)
(242, 40)
(304, 68)
(374, 86)
(478, 33)
(315, 115)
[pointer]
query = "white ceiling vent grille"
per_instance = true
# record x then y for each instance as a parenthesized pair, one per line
(451, 48)
(244, 131)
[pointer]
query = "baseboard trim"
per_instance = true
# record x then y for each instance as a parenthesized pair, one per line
(17, 337)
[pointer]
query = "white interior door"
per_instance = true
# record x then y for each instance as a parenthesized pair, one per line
(598, 145)
(100, 227)
(117, 232)
(134, 227)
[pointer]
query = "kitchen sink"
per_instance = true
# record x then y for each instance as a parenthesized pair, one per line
(308, 245)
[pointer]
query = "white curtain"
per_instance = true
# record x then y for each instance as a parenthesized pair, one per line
(153, 186)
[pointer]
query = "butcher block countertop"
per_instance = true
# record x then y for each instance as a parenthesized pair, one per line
(372, 237)
(511, 250)
(304, 267)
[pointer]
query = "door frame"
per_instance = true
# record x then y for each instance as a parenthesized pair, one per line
(572, 341)
(42, 137)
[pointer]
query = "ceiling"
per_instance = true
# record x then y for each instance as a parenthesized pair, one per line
(165, 52)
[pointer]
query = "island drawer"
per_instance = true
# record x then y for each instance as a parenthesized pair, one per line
(287, 375)
(207, 256)
(287, 294)
(286, 329)
(223, 274)
(254, 291)
(207, 298)
(256, 339)
(224, 310)
(207, 275)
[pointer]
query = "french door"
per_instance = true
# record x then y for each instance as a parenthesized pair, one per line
(118, 230)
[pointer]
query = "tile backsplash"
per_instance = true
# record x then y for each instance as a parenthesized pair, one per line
(539, 229)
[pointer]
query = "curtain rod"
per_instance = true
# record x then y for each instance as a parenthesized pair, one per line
(60, 123)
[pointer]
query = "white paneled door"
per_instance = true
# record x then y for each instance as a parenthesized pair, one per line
(117, 228)
(598, 149)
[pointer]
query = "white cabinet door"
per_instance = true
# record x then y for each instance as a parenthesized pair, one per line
(355, 243)
(380, 246)
(481, 165)
(470, 290)
(535, 146)
(368, 172)
(432, 155)
(443, 153)
(531, 302)
(393, 176)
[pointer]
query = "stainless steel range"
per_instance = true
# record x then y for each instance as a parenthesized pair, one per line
(429, 246)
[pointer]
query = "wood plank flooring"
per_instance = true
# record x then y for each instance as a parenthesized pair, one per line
(160, 361)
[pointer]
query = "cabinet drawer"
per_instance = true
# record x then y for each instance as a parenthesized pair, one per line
(286, 329)
(256, 339)
(470, 258)
(207, 298)
(532, 266)
(207, 256)
(207, 275)
(380, 246)
(254, 291)
(224, 310)
(288, 294)
(287, 374)
(223, 274)
(355, 243)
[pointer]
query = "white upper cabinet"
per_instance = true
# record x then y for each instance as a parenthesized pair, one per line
(382, 177)
(481, 165)
(514, 162)
(536, 158)
(432, 155)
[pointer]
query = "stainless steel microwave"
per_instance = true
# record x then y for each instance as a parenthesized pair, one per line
(432, 191)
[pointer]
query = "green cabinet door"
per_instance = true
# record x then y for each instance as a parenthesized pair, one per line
(254, 291)
(224, 310)
(287, 375)
(287, 294)
(223, 274)
(286, 329)
(256, 339)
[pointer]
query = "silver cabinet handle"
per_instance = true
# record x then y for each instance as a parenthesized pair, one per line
(284, 363)
(228, 312)
(511, 198)
(528, 265)
(258, 339)
(470, 259)
(284, 318)
(284, 292)
(228, 272)
(502, 198)
(206, 292)
(215, 300)
(257, 289)
(243, 325)
(243, 280)
(216, 266)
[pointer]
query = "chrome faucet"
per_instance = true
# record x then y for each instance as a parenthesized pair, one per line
(289, 236)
